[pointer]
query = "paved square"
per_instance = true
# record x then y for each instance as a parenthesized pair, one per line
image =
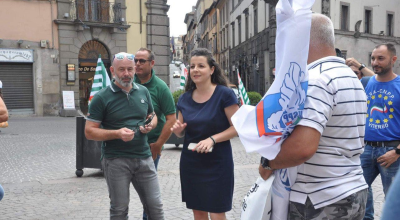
(38, 174)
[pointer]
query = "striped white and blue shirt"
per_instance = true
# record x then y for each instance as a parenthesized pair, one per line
(336, 107)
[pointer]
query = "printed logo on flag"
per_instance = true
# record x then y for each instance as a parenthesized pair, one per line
(283, 174)
(276, 119)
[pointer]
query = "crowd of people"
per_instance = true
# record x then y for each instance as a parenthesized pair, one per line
(347, 137)
(348, 134)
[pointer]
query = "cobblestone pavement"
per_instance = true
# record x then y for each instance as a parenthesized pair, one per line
(37, 171)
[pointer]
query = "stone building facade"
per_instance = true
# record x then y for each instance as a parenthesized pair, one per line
(29, 54)
(57, 48)
(250, 35)
(87, 29)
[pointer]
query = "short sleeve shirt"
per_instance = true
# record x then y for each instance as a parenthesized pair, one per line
(113, 108)
(336, 107)
(163, 103)
(383, 115)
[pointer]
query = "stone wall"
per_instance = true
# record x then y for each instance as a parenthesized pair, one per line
(158, 36)
(46, 86)
(72, 37)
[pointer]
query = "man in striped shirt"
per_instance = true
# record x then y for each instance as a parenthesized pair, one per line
(327, 143)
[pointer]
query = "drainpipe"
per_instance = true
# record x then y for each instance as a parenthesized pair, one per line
(52, 27)
(140, 19)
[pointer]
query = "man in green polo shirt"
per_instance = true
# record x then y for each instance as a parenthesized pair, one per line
(162, 100)
(116, 117)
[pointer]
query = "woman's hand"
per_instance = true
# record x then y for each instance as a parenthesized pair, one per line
(204, 146)
(178, 128)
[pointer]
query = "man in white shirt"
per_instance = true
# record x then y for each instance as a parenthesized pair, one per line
(327, 143)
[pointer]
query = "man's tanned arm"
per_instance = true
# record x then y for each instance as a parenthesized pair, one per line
(3, 111)
(299, 147)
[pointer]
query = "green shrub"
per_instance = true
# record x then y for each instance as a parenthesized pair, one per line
(177, 94)
(254, 97)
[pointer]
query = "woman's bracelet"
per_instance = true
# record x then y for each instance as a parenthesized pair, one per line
(183, 134)
(212, 140)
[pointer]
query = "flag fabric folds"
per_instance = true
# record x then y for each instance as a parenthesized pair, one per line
(100, 79)
(263, 128)
(184, 75)
(244, 99)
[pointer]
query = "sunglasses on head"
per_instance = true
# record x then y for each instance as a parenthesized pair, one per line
(141, 61)
(121, 56)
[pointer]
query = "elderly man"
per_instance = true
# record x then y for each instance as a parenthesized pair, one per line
(327, 142)
(116, 117)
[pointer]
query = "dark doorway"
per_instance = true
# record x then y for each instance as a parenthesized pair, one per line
(88, 56)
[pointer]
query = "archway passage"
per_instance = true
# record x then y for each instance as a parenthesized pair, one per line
(88, 55)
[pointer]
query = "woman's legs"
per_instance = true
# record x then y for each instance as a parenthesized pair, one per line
(202, 215)
(218, 216)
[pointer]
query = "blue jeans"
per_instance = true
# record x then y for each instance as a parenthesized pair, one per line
(1, 192)
(371, 169)
(391, 207)
(156, 165)
(119, 173)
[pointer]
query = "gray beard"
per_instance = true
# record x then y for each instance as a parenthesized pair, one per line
(122, 83)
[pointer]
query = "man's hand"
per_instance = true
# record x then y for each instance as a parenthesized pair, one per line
(126, 134)
(387, 159)
(264, 173)
(155, 149)
(353, 62)
(147, 128)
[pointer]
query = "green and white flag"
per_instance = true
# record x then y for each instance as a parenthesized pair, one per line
(100, 79)
(184, 74)
(244, 99)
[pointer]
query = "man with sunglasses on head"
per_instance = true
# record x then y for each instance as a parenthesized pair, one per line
(116, 117)
(162, 99)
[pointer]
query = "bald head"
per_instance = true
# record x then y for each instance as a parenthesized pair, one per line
(123, 69)
(123, 56)
(322, 38)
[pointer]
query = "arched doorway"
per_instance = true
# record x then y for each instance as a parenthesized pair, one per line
(88, 55)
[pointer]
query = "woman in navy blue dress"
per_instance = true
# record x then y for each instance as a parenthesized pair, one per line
(204, 118)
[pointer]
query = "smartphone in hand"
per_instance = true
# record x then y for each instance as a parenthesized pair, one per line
(193, 145)
(149, 119)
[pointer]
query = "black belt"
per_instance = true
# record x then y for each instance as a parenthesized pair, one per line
(383, 143)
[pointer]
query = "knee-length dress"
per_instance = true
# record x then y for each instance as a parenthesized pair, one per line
(207, 179)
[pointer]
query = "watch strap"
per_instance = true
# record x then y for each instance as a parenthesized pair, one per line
(265, 163)
(362, 66)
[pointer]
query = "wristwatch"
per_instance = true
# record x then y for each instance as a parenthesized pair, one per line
(397, 150)
(362, 66)
(265, 163)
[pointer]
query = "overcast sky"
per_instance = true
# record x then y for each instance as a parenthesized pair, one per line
(176, 13)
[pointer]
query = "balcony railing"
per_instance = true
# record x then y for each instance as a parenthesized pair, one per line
(96, 11)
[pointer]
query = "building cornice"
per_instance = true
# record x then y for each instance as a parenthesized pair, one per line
(92, 24)
(365, 35)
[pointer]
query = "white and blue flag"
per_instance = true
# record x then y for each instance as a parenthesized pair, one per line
(263, 128)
